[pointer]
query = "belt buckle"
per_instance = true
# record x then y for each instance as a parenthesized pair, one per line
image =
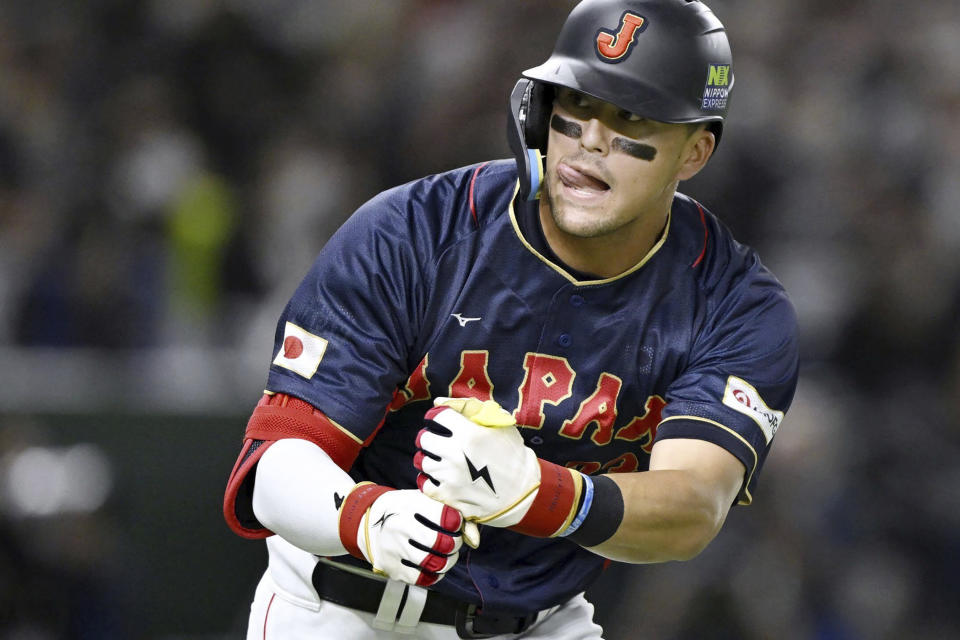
(464, 617)
(467, 614)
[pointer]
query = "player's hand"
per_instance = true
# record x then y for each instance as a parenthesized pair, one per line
(472, 457)
(403, 534)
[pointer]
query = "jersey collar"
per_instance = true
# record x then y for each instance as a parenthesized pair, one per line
(531, 236)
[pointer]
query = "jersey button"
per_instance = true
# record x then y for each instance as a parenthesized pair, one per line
(576, 300)
(564, 340)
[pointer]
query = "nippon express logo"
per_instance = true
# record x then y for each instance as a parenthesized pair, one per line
(717, 89)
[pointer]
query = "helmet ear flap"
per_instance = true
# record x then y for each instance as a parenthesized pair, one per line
(531, 103)
(539, 108)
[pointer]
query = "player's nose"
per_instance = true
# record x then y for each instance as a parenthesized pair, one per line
(594, 136)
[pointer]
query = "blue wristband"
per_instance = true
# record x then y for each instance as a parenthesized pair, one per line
(584, 508)
(605, 516)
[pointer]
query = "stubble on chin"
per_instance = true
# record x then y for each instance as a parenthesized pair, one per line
(570, 221)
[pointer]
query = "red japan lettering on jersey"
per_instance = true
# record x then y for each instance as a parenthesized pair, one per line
(588, 468)
(626, 463)
(614, 46)
(472, 381)
(546, 379)
(644, 428)
(549, 379)
(600, 409)
(416, 388)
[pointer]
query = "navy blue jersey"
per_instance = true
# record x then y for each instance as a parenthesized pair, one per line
(432, 289)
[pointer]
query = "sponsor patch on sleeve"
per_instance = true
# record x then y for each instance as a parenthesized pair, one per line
(301, 351)
(741, 396)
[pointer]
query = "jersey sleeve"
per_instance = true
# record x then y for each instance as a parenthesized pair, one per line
(344, 340)
(741, 376)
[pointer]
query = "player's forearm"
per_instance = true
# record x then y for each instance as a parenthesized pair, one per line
(668, 515)
(294, 495)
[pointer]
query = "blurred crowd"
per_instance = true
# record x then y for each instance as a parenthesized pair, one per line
(169, 168)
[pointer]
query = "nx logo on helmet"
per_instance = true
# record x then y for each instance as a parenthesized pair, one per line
(717, 90)
(615, 46)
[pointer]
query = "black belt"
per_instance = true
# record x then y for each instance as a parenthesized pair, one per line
(356, 591)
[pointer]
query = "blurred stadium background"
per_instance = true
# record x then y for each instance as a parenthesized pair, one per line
(169, 168)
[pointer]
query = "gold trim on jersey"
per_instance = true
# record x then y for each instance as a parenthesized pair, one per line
(756, 458)
(562, 272)
(329, 419)
(344, 429)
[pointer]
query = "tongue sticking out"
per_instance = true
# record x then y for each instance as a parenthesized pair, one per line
(573, 178)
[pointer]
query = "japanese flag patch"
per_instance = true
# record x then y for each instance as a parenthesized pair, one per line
(301, 351)
(741, 396)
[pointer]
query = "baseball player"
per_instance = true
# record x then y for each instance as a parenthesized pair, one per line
(494, 381)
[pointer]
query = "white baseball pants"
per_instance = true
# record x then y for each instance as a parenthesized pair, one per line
(277, 614)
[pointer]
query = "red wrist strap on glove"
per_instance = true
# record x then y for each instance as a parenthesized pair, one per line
(556, 503)
(351, 514)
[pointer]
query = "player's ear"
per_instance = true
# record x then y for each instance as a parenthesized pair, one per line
(697, 150)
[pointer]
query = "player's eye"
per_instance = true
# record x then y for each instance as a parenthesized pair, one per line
(579, 100)
(630, 116)
(574, 100)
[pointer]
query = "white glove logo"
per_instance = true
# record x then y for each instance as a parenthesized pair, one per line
(383, 520)
(465, 440)
(470, 430)
(476, 474)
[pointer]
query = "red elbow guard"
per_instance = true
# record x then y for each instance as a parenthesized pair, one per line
(281, 416)
(276, 417)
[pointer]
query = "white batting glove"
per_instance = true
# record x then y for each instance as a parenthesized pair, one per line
(473, 458)
(403, 534)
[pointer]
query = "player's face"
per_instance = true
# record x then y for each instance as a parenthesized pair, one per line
(608, 169)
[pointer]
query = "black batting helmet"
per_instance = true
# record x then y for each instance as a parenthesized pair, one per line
(667, 60)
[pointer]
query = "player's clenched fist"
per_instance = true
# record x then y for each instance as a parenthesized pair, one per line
(403, 534)
(472, 457)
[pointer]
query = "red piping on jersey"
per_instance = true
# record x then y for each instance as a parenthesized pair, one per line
(376, 430)
(267, 615)
(473, 181)
(703, 221)
(473, 580)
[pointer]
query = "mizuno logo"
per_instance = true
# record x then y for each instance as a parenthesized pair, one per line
(482, 473)
(383, 519)
(463, 321)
